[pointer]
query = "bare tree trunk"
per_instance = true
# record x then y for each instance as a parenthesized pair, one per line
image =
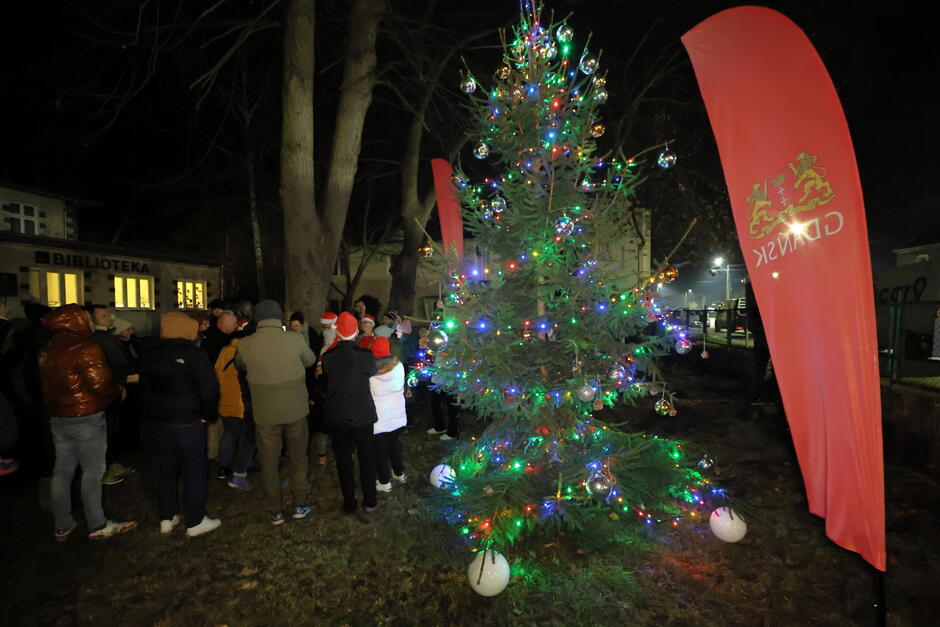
(356, 96)
(301, 233)
(253, 214)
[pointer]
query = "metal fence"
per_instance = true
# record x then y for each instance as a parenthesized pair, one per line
(908, 337)
(727, 327)
(909, 342)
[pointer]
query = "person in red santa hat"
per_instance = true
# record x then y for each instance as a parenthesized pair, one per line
(350, 413)
(319, 436)
(367, 331)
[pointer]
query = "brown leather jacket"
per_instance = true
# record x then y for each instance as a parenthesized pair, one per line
(76, 379)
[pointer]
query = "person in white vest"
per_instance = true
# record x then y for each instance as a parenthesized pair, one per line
(388, 394)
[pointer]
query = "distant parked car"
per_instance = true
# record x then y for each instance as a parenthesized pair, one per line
(733, 313)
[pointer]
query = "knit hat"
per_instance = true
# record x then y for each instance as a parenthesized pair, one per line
(121, 325)
(217, 303)
(346, 326)
(328, 319)
(368, 318)
(267, 310)
(392, 315)
(175, 325)
(380, 347)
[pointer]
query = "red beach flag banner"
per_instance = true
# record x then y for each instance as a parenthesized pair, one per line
(448, 207)
(797, 201)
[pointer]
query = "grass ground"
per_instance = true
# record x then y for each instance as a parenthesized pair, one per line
(405, 566)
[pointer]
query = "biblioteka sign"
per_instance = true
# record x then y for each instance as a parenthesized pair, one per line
(89, 262)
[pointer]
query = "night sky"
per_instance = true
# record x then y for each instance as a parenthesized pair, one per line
(146, 155)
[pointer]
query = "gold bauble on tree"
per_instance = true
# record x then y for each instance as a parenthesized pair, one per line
(668, 274)
(597, 130)
(427, 250)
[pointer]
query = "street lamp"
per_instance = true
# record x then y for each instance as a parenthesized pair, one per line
(720, 261)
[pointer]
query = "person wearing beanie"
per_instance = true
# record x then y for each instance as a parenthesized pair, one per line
(388, 394)
(350, 413)
(275, 362)
(181, 394)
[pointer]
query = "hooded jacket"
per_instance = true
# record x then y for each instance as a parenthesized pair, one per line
(176, 378)
(275, 363)
(76, 379)
(388, 394)
(348, 395)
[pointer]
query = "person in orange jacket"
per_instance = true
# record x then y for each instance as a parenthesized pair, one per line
(237, 446)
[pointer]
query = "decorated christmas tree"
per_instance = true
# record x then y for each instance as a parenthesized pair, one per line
(543, 327)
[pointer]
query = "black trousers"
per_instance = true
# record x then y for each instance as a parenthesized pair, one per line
(388, 452)
(113, 419)
(446, 413)
(345, 439)
(180, 449)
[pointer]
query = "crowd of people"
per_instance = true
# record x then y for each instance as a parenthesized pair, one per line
(222, 393)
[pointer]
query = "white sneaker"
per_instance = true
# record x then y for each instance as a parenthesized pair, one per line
(383, 487)
(207, 525)
(433, 431)
(111, 528)
(446, 438)
(167, 526)
(400, 478)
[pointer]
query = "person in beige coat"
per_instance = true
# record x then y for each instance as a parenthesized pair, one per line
(274, 363)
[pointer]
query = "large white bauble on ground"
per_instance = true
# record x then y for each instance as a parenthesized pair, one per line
(488, 573)
(441, 474)
(727, 524)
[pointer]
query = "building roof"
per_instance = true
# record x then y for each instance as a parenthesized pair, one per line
(94, 247)
(82, 202)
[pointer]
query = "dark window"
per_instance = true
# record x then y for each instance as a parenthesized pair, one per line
(42, 214)
(30, 227)
(14, 224)
(8, 286)
(29, 210)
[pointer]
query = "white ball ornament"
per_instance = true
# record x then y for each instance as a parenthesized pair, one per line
(488, 573)
(442, 475)
(727, 524)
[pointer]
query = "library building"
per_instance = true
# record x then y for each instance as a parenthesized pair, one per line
(42, 260)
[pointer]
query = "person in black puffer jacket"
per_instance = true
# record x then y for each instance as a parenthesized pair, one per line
(350, 413)
(181, 394)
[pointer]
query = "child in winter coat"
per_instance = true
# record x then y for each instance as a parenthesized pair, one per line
(388, 394)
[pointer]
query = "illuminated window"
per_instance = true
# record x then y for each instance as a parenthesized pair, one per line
(133, 292)
(62, 288)
(190, 294)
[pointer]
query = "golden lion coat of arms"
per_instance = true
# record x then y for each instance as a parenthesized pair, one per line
(803, 180)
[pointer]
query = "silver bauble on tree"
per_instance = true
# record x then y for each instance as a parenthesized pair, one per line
(437, 341)
(588, 64)
(468, 85)
(586, 392)
(667, 159)
(599, 485)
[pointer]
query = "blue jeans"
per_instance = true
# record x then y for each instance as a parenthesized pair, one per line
(237, 447)
(80, 441)
(180, 449)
